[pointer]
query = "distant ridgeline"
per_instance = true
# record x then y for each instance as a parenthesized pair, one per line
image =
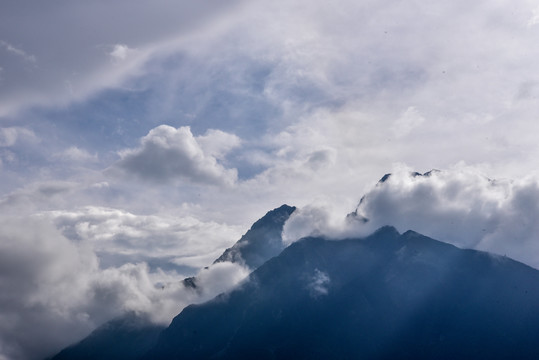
(386, 296)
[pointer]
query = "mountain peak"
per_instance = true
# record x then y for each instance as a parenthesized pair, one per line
(412, 173)
(262, 241)
(387, 230)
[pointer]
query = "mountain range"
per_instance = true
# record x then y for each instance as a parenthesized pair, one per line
(385, 296)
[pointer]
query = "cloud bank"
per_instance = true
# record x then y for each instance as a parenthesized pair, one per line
(54, 291)
(121, 237)
(460, 206)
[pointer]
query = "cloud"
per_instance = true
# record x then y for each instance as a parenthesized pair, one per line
(311, 98)
(218, 143)
(38, 196)
(409, 120)
(164, 240)
(37, 265)
(319, 284)
(120, 52)
(18, 52)
(76, 154)
(310, 220)
(53, 291)
(78, 57)
(459, 206)
(220, 277)
(9, 136)
(167, 154)
(534, 19)
(322, 219)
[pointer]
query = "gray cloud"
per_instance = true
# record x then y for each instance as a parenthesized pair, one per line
(167, 153)
(82, 36)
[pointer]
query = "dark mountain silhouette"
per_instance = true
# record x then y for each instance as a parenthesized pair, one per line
(262, 242)
(131, 335)
(126, 337)
(388, 296)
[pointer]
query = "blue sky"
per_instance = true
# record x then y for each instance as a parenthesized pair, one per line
(143, 139)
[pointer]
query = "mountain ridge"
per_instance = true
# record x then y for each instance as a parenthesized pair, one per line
(262, 241)
(388, 295)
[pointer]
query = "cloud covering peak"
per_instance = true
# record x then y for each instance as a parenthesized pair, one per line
(460, 206)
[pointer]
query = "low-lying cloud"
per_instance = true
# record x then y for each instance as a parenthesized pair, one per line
(54, 291)
(459, 206)
(183, 241)
(319, 284)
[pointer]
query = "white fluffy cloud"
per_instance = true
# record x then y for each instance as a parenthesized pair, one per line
(460, 206)
(53, 291)
(127, 237)
(167, 153)
(314, 220)
(218, 143)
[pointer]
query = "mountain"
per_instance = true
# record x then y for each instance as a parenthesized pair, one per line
(131, 335)
(387, 296)
(263, 240)
(126, 337)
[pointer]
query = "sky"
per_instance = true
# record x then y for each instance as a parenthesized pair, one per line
(138, 140)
